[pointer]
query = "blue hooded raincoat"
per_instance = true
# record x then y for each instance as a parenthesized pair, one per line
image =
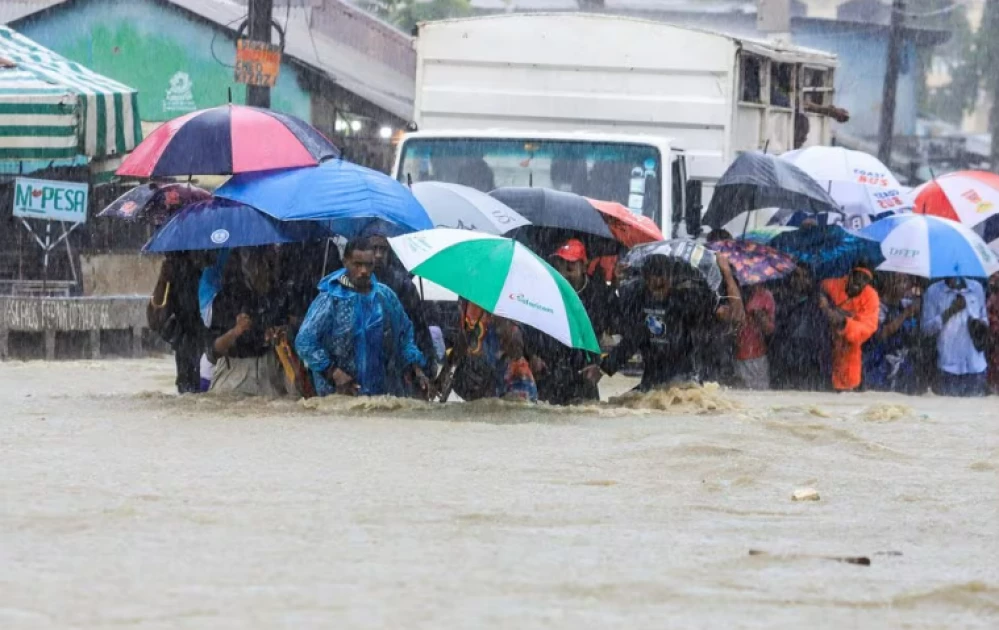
(367, 335)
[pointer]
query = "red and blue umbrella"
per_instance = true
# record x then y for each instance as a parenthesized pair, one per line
(349, 197)
(227, 140)
(223, 224)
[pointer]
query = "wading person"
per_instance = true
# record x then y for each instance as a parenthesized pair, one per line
(752, 370)
(851, 307)
(356, 338)
(391, 274)
(892, 355)
(173, 314)
(954, 313)
(800, 351)
(668, 318)
(487, 360)
(248, 316)
(568, 375)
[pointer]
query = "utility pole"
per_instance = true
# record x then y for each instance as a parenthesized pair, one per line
(259, 29)
(990, 30)
(886, 130)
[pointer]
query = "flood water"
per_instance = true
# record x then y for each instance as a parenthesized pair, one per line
(122, 505)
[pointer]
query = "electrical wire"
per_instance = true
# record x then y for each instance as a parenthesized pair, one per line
(945, 10)
(211, 46)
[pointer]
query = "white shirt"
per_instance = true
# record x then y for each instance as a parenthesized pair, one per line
(956, 352)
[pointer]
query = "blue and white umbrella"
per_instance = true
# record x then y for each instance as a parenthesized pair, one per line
(931, 247)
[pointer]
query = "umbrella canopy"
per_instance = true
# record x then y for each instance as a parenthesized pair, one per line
(970, 197)
(154, 201)
(830, 251)
(222, 224)
(685, 252)
(931, 247)
(754, 263)
(556, 216)
(628, 228)
(350, 197)
(226, 140)
(465, 208)
(858, 181)
(503, 277)
(766, 234)
(54, 108)
(755, 180)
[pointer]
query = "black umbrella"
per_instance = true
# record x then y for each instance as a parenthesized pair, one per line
(756, 180)
(556, 216)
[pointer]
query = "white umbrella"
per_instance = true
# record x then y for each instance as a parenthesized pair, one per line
(931, 247)
(859, 182)
(464, 208)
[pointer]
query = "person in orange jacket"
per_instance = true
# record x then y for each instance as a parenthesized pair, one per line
(851, 304)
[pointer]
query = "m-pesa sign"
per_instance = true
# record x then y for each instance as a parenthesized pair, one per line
(50, 200)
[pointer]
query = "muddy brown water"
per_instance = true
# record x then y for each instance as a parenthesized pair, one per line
(122, 505)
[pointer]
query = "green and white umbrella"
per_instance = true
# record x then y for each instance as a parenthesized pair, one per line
(501, 276)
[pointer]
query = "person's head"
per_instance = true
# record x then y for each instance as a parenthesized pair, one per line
(859, 279)
(801, 281)
(570, 261)
(718, 234)
(657, 273)
(994, 283)
(956, 283)
(359, 261)
(892, 287)
(259, 267)
(380, 250)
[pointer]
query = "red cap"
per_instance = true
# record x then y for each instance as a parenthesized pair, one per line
(572, 250)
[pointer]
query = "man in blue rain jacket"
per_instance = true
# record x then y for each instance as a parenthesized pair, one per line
(356, 338)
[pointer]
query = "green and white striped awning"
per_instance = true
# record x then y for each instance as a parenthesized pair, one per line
(53, 108)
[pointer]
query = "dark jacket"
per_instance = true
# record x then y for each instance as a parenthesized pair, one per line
(562, 383)
(401, 283)
(670, 335)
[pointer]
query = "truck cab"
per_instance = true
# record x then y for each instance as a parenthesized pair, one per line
(646, 174)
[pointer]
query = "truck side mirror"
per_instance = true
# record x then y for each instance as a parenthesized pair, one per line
(692, 213)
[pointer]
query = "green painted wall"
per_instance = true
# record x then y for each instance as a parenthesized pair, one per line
(159, 50)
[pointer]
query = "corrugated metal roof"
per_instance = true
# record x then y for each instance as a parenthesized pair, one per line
(356, 71)
(11, 10)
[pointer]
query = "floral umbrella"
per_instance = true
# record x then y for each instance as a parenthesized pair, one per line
(754, 263)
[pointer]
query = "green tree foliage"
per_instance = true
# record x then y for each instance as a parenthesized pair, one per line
(965, 56)
(406, 14)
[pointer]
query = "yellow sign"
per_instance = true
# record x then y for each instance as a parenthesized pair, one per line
(257, 63)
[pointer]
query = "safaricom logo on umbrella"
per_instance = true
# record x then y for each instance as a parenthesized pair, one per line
(520, 297)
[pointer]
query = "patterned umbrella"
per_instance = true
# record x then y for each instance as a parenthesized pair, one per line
(830, 251)
(155, 202)
(685, 253)
(754, 263)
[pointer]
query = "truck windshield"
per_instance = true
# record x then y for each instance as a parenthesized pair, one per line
(626, 173)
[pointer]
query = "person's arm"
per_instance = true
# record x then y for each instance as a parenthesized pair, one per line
(631, 340)
(933, 307)
(310, 347)
(733, 311)
(861, 325)
(157, 311)
(891, 328)
(224, 343)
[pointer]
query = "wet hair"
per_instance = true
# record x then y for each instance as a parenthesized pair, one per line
(359, 244)
(718, 234)
(657, 265)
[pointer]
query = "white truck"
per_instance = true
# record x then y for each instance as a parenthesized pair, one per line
(610, 107)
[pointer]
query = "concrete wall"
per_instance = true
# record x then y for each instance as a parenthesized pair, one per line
(119, 274)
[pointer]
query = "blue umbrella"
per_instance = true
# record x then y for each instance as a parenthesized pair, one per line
(931, 247)
(223, 224)
(830, 250)
(348, 196)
